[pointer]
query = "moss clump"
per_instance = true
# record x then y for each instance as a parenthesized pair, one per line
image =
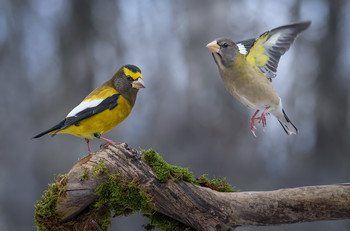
(85, 175)
(45, 216)
(96, 170)
(122, 198)
(163, 222)
(165, 171)
(99, 169)
(217, 184)
(117, 191)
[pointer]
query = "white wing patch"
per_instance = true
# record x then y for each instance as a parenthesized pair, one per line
(83, 105)
(273, 39)
(242, 49)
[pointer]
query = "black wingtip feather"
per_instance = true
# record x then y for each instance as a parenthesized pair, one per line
(288, 120)
(301, 26)
(56, 127)
(284, 128)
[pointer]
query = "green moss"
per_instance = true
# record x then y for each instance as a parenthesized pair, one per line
(165, 171)
(162, 222)
(116, 191)
(99, 169)
(217, 184)
(96, 170)
(122, 198)
(45, 216)
(85, 175)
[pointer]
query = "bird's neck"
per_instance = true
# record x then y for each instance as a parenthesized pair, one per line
(130, 96)
(238, 68)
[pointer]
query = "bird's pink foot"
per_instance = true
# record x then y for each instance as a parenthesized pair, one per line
(108, 141)
(88, 145)
(261, 119)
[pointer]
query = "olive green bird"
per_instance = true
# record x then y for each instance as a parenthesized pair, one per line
(247, 69)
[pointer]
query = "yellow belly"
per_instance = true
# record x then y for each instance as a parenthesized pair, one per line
(101, 122)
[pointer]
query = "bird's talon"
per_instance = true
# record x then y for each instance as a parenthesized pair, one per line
(253, 133)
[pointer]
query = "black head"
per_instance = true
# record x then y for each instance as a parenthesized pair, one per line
(127, 81)
(128, 77)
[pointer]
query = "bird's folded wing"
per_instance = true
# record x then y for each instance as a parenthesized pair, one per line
(266, 51)
(89, 108)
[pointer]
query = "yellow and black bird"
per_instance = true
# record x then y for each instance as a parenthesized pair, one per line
(247, 69)
(104, 108)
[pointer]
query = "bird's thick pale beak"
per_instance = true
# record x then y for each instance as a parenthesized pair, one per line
(213, 46)
(138, 83)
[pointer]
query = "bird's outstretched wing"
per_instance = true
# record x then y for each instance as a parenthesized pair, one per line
(264, 53)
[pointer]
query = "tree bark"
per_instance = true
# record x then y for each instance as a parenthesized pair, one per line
(200, 207)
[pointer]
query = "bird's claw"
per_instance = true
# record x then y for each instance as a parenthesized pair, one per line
(261, 119)
(252, 130)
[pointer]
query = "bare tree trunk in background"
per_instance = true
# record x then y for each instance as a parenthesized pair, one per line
(332, 94)
(76, 39)
(198, 207)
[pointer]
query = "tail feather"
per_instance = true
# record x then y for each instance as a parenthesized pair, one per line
(287, 125)
(54, 128)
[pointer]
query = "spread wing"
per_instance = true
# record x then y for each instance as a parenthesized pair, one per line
(87, 109)
(267, 50)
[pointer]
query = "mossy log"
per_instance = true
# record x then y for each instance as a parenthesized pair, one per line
(199, 208)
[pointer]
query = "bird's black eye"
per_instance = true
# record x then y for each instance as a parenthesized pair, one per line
(129, 78)
(224, 45)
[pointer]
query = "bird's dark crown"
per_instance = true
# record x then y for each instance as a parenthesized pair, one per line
(132, 68)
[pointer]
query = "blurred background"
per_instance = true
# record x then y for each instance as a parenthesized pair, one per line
(53, 53)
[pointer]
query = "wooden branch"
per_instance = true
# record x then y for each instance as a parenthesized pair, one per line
(200, 207)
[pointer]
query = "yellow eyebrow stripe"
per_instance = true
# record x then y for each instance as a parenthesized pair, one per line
(134, 75)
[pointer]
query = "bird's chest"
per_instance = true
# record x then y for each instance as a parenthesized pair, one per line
(108, 119)
(250, 87)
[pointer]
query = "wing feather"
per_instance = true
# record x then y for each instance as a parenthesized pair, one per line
(108, 103)
(244, 46)
(267, 50)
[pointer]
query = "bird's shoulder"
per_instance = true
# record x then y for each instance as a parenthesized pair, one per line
(102, 92)
(257, 55)
(95, 98)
